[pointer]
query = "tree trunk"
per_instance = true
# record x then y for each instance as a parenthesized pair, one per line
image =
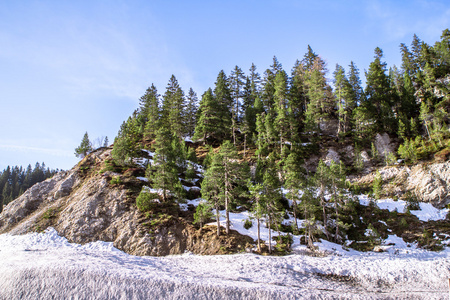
(259, 237)
(270, 234)
(245, 143)
(218, 220)
(227, 213)
(295, 213)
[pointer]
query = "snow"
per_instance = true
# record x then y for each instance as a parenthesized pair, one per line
(426, 213)
(47, 266)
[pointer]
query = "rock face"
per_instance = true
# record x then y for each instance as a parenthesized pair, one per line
(83, 206)
(384, 144)
(428, 182)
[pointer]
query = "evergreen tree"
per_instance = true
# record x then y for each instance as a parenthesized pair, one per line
(319, 93)
(84, 148)
(355, 83)
(309, 205)
(258, 207)
(151, 110)
(173, 108)
(212, 186)
(297, 97)
(126, 142)
(191, 112)
(202, 214)
(337, 186)
(345, 99)
(295, 182)
(282, 121)
(272, 196)
(225, 178)
(233, 178)
(7, 195)
(209, 118)
(236, 90)
(322, 183)
(224, 106)
(267, 95)
(163, 172)
(379, 95)
(309, 58)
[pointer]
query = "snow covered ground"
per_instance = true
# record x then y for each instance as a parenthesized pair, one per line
(46, 266)
(426, 213)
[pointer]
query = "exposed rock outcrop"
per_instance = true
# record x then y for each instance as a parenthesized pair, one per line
(83, 206)
(384, 144)
(428, 182)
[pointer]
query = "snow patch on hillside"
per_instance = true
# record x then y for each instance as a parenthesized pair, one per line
(426, 213)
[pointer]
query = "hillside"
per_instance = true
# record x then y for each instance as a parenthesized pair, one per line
(96, 201)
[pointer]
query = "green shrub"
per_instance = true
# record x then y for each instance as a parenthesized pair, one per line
(248, 224)
(403, 223)
(146, 200)
(115, 180)
(412, 203)
(50, 213)
(284, 243)
(202, 214)
(390, 159)
(377, 185)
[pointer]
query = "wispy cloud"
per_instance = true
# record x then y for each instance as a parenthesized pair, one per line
(28, 149)
(398, 20)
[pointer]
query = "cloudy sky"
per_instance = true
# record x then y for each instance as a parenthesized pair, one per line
(67, 67)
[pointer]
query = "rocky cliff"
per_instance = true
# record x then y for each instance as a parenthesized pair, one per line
(84, 205)
(428, 182)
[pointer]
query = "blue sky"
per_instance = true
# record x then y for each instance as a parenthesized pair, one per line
(67, 67)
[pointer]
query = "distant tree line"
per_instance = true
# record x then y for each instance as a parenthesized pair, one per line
(14, 181)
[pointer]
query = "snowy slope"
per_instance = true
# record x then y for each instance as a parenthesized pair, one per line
(46, 266)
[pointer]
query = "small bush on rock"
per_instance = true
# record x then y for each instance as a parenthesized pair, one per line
(146, 200)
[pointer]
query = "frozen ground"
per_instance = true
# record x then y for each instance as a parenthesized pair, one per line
(46, 266)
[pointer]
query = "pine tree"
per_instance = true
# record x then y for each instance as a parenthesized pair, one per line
(209, 119)
(233, 177)
(272, 196)
(151, 109)
(267, 95)
(224, 105)
(309, 58)
(379, 94)
(297, 97)
(345, 99)
(258, 207)
(202, 214)
(295, 182)
(319, 93)
(236, 85)
(163, 172)
(337, 189)
(212, 186)
(106, 142)
(173, 108)
(281, 122)
(126, 142)
(322, 183)
(261, 138)
(191, 112)
(309, 205)
(84, 148)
